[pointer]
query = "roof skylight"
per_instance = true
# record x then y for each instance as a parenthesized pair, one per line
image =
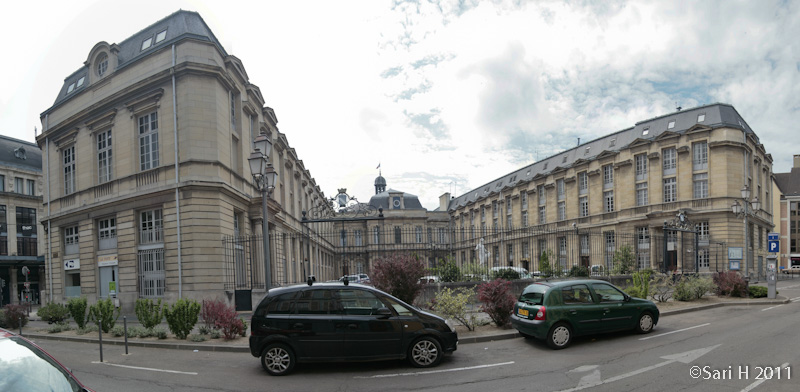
(161, 36)
(701, 117)
(80, 81)
(147, 43)
(645, 131)
(70, 88)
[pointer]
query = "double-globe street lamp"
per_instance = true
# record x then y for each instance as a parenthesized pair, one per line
(265, 178)
(746, 208)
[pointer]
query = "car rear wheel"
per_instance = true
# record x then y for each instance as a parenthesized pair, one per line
(645, 324)
(560, 336)
(277, 359)
(425, 352)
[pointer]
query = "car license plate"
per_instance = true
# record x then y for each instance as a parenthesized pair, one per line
(522, 312)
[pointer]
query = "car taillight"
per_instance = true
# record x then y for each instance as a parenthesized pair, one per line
(541, 314)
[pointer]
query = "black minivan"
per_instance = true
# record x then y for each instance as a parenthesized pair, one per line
(331, 322)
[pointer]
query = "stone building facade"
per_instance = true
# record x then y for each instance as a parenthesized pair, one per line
(20, 232)
(146, 170)
(787, 217)
(694, 161)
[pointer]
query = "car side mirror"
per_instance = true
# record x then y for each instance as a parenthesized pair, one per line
(627, 297)
(384, 312)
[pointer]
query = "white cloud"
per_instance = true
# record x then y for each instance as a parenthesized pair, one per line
(449, 92)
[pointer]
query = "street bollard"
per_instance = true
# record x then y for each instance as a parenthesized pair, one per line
(20, 325)
(125, 328)
(100, 332)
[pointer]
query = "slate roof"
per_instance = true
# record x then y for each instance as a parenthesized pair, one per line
(789, 183)
(717, 115)
(410, 202)
(9, 150)
(180, 25)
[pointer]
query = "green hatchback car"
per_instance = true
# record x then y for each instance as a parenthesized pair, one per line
(559, 311)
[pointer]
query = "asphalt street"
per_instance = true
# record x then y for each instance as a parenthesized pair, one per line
(731, 348)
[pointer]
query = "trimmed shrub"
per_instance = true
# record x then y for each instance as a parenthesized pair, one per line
(757, 291)
(578, 270)
(53, 313)
(506, 274)
(197, 338)
(77, 309)
(149, 312)
(398, 274)
(498, 302)
(449, 271)
(118, 331)
(453, 304)
(641, 285)
(59, 327)
(701, 286)
(104, 314)
(15, 316)
(730, 283)
(160, 332)
(182, 317)
(683, 291)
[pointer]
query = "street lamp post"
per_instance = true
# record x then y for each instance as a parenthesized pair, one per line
(265, 177)
(746, 208)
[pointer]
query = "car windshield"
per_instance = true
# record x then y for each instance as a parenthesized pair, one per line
(26, 368)
(533, 295)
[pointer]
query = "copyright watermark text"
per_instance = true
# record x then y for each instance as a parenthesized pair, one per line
(741, 372)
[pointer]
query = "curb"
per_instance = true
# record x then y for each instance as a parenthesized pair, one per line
(461, 340)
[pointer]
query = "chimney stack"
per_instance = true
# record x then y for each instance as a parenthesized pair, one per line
(444, 201)
(796, 161)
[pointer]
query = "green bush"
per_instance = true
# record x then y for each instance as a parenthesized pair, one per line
(204, 330)
(182, 317)
(545, 268)
(624, 260)
(104, 314)
(197, 338)
(58, 327)
(118, 331)
(757, 291)
(448, 271)
(88, 329)
(641, 285)
(77, 308)
(578, 271)
(662, 288)
(702, 285)
(149, 312)
(683, 291)
(691, 288)
(506, 274)
(215, 334)
(160, 332)
(453, 304)
(53, 313)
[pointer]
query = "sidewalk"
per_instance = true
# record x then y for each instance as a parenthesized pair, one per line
(37, 329)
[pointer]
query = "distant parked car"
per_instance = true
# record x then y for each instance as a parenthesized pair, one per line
(523, 273)
(429, 279)
(331, 322)
(559, 311)
(24, 366)
(357, 278)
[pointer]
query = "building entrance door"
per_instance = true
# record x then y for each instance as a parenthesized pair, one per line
(108, 281)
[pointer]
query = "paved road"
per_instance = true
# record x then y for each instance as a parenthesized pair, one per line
(734, 343)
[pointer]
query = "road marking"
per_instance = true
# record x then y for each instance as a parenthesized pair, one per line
(795, 299)
(436, 371)
(671, 332)
(790, 287)
(771, 307)
(685, 357)
(757, 383)
(144, 368)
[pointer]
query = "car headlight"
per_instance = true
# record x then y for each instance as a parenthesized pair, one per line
(450, 324)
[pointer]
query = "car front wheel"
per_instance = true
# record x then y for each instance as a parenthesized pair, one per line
(425, 352)
(645, 324)
(277, 359)
(560, 336)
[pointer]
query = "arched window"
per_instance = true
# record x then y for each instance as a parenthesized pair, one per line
(102, 64)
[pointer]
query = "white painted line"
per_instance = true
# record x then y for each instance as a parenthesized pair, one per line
(795, 299)
(144, 368)
(757, 383)
(436, 371)
(771, 307)
(671, 332)
(790, 287)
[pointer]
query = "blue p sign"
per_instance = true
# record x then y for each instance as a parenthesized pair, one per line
(773, 246)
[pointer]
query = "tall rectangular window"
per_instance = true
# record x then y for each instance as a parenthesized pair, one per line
(524, 218)
(610, 240)
(418, 234)
(583, 183)
(526, 254)
(541, 195)
(583, 206)
(562, 253)
(148, 141)
(510, 254)
(641, 167)
(26, 232)
(31, 188)
(702, 227)
(508, 206)
(670, 190)
(358, 238)
(71, 240)
(376, 234)
(3, 232)
(523, 197)
(343, 238)
(585, 250)
(643, 247)
(641, 194)
(562, 210)
(398, 235)
(608, 176)
(542, 215)
(700, 185)
(670, 161)
(608, 201)
(2, 183)
(19, 185)
(107, 233)
(700, 156)
(233, 111)
(68, 155)
(560, 187)
(104, 162)
(151, 227)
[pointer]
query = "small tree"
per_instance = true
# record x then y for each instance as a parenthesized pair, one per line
(182, 317)
(624, 260)
(77, 308)
(498, 302)
(544, 263)
(453, 304)
(104, 314)
(398, 274)
(148, 312)
(448, 270)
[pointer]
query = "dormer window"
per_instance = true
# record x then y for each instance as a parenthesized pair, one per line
(586, 151)
(671, 124)
(545, 166)
(161, 36)
(146, 44)
(701, 117)
(102, 64)
(80, 81)
(612, 143)
(646, 131)
(70, 88)
(564, 160)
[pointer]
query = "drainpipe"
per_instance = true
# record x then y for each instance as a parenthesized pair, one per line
(177, 175)
(49, 263)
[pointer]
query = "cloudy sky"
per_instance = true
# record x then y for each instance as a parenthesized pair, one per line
(447, 95)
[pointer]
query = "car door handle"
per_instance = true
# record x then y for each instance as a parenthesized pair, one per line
(297, 326)
(352, 326)
(573, 311)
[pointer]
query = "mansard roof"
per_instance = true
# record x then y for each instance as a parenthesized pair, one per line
(715, 115)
